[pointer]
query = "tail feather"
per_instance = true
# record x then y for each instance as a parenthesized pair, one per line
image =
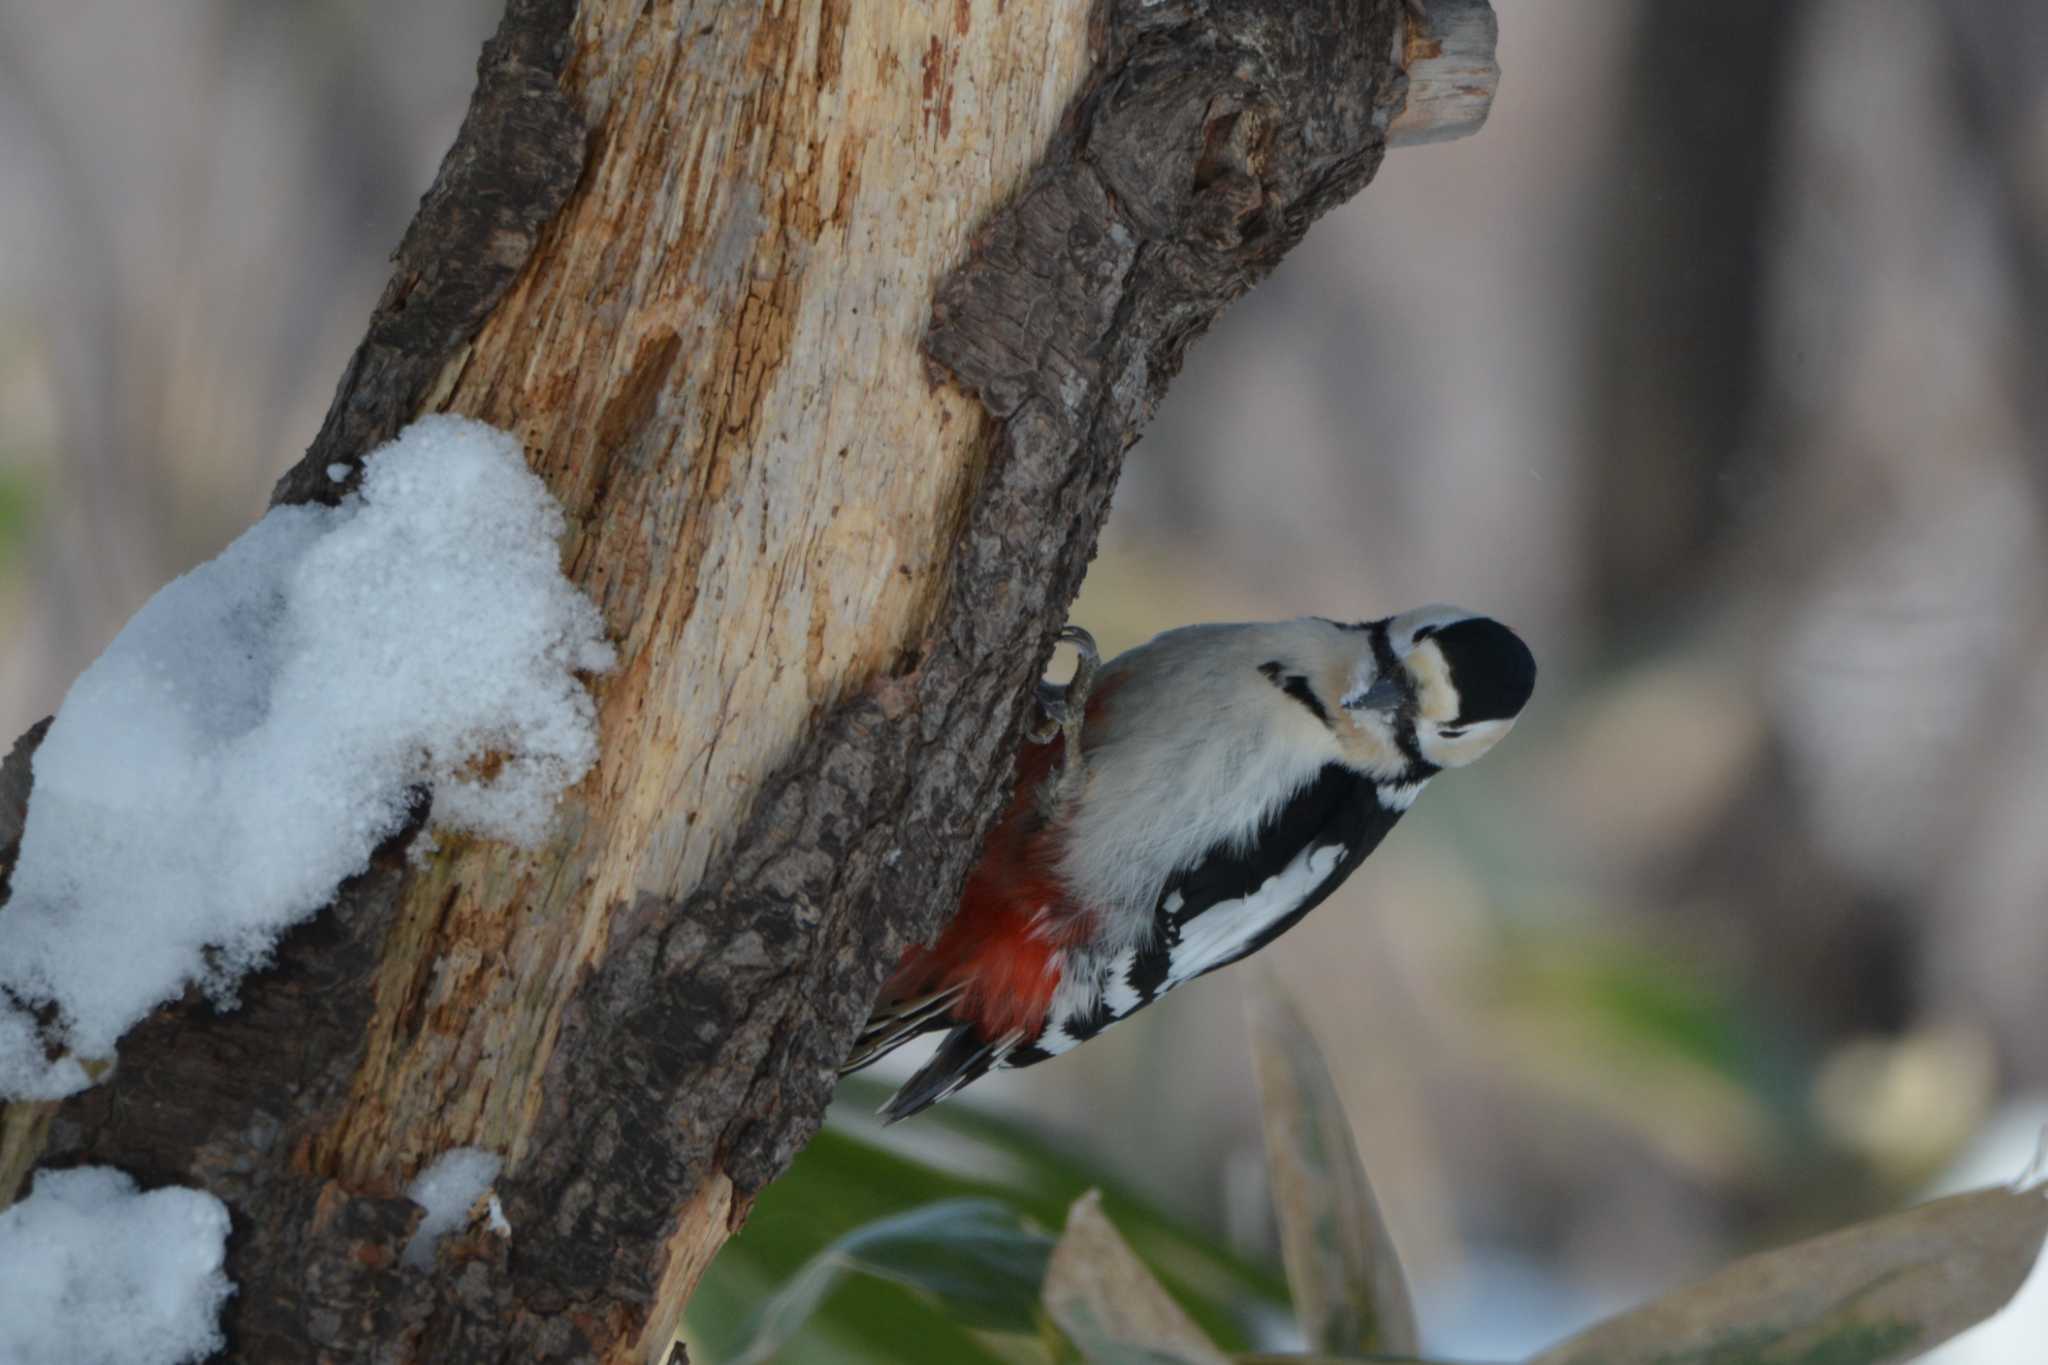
(896, 1022)
(963, 1057)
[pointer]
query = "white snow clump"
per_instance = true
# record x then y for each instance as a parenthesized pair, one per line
(252, 734)
(93, 1273)
(448, 1189)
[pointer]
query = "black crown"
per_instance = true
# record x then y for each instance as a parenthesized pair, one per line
(1492, 670)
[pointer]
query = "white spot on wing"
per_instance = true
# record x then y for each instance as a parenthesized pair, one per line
(1220, 932)
(1084, 983)
(1056, 1040)
(1118, 991)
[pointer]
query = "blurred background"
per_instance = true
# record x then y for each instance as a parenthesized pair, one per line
(1717, 364)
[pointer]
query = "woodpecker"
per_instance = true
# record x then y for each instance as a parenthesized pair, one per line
(1178, 810)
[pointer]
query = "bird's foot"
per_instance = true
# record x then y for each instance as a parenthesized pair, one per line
(1061, 705)
(1061, 709)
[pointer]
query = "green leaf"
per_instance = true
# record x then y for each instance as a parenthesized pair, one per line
(1110, 1306)
(976, 1258)
(1223, 1291)
(855, 1172)
(18, 496)
(836, 1186)
(1642, 1034)
(1880, 1292)
(1349, 1292)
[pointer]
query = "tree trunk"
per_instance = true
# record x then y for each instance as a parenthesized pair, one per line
(835, 436)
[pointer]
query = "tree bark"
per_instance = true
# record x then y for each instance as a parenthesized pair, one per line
(833, 469)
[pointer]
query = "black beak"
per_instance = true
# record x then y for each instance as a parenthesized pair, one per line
(1386, 694)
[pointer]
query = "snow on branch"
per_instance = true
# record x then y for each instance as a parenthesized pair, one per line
(448, 1189)
(263, 723)
(94, 1273)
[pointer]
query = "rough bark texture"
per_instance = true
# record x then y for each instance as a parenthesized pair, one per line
(14, 785)
(689, 253)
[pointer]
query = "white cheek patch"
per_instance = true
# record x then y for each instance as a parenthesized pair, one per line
(1456, 752)
(1435, 698)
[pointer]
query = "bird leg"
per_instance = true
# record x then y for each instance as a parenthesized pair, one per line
(1061, 709)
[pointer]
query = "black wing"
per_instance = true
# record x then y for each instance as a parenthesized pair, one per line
(1232, 903)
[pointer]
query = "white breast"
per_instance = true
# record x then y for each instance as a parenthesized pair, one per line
(1197, 751)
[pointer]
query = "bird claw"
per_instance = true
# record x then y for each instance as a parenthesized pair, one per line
(1061, 709)
(1052, 714)
(1060, 705)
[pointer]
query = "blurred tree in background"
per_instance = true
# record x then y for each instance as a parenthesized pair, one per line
(1714, 364)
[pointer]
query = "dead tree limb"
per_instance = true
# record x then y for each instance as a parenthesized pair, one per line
(834, 468)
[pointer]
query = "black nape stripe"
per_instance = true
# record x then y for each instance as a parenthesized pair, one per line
(1295, 686)
(1389, 665)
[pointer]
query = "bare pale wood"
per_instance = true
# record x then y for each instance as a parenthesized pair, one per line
(718, 369)
(1448, 53)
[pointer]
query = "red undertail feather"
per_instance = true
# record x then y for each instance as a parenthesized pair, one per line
(998, 950)
(996, 966)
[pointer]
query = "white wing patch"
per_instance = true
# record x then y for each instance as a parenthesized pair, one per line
(1215, 936)
(1219, 933)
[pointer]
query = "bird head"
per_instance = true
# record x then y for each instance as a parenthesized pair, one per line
(1432, 688)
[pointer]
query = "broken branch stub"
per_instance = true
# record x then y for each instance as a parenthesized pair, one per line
(1447, 50)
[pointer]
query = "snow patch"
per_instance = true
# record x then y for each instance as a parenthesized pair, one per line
(94, 1273)
(256, 730)
(448, 1189)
